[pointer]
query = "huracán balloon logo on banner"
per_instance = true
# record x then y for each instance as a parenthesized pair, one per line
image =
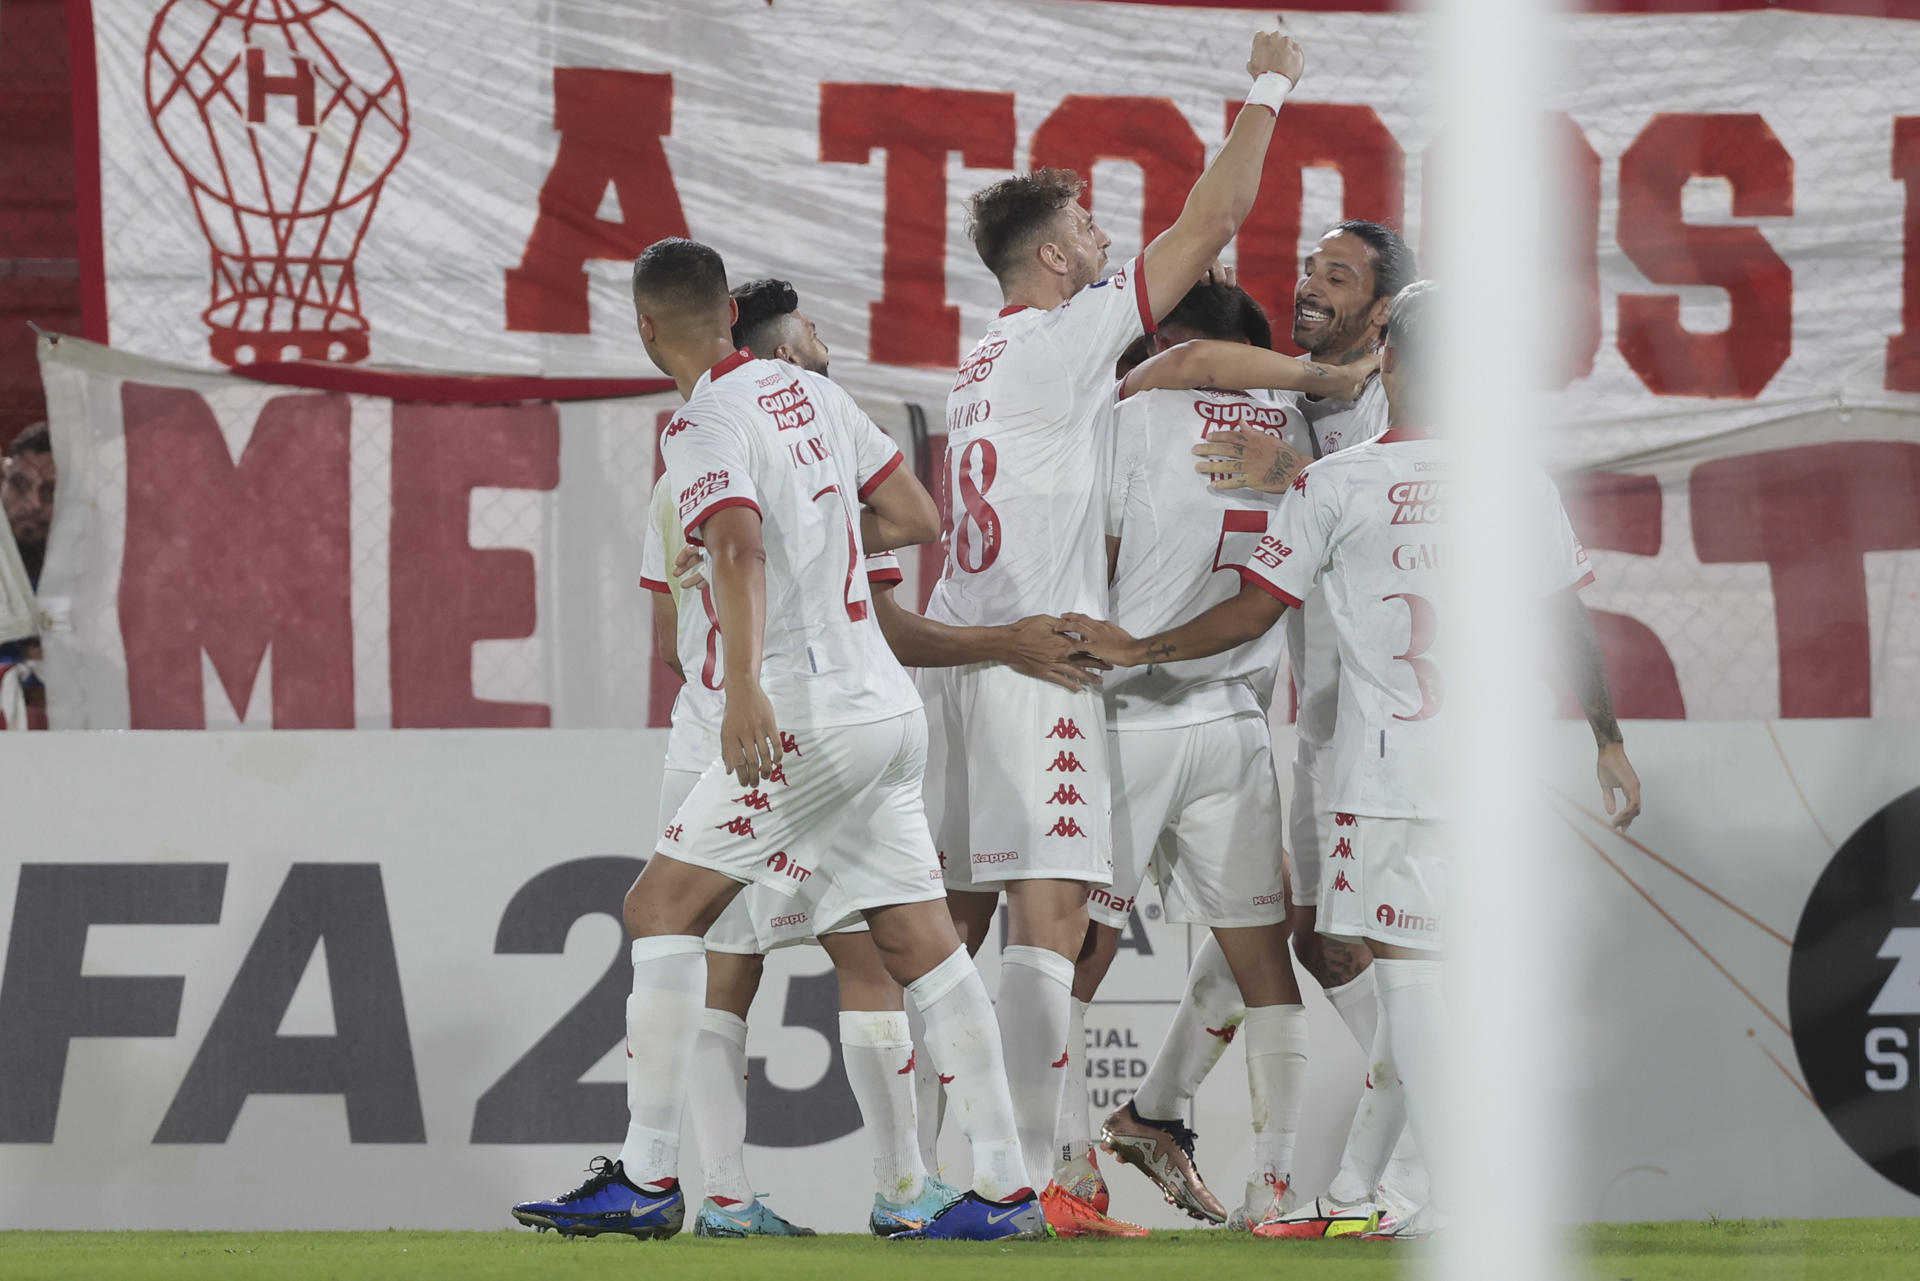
(286, 121)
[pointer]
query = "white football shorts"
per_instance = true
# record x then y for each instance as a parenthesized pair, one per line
(1196, 807)
(1308, 825)
(844, 804)
(1385, 880)
(1016, 778)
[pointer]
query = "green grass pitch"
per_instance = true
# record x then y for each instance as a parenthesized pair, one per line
(1766, 1250)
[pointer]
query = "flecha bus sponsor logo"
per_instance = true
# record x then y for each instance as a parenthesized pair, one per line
(701, 490)
(1418, 502)
(1271, 551)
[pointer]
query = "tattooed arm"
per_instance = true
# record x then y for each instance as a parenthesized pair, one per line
(1232, 622)
(1588, 671)
(1237, 366)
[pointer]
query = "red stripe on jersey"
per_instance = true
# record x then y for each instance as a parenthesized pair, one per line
(879, 478)
(886, 577)
(728, 365)
(704, 513)
(1404, 433)
(1586, 580)
(654, 584)
(1285, 598)
(1013, 310)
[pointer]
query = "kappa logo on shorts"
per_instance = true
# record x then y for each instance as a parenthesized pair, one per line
(777, 775)
(736, 826)
(1066, 763)
(792, 918)
(1226, 1034)
(1265, 900)
(1394, 919)
(754, 800)
(997, 856)
(672, 833)
(909, 1067)
(1066, 794)
(1342, 848)
(790, 745)
(1065, 728)
(1340, 882)
(1064, 826)
(1344, 820)
(788, 867)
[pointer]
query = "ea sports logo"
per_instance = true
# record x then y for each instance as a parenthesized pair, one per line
(1853, 992)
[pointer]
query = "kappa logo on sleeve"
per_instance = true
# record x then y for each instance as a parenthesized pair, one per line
(789, 407)
(701, 490)
(676, 425)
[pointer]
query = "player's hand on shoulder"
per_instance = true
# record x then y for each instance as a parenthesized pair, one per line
(1616, 775)
(749, 734)
(1356, 374)
(690, 569)
(1276, 51)
(1237, 459)
(1104, 641)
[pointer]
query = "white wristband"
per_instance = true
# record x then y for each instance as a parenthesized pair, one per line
(1269, 91)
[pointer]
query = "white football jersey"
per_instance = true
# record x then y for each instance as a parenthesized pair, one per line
(1367, 525)
(1181, 545)
(1332, 425)
(794, 447)
(1029, 452)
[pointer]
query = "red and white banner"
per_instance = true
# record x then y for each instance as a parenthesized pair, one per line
(386, 183)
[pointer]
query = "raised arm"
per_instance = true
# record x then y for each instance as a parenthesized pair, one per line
(1040, 646)
(1232, 622)
(749, 736)
(1238, 366)
(1588, 671)
(1224, 194)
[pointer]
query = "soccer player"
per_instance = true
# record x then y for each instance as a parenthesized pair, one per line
(1027, 469)
(875, 1041)
(1195, 802)
(822, 750)
(1364, 526)
(1341, 303)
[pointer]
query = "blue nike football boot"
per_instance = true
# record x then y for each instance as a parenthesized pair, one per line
(607, 1202)
(753, 1219)
(889, 1217)
(974, 1218)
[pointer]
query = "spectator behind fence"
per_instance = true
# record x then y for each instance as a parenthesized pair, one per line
(27, 478)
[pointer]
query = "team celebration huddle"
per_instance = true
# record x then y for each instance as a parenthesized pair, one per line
(1152, 517)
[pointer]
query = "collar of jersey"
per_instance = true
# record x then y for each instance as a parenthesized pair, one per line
(1405, 433)
(730, 364)
(1014, 310)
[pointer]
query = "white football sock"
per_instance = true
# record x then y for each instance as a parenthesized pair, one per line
(1209, 1015)
(717, 1098)
(1276, 1038)
(1073, 1138)
(1410, 1000)
(929, 1100)
(1379, 1122)
(1035, 1005)
(663, 1022)
(878, 1051)
(963, 1042)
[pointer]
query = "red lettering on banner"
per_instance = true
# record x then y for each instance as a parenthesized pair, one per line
(233, 559)
(912, 323)
(1811, 513)
(610, 124)
(445, 593)
(1346, 137)
(1084, 130)
(1903, 349)
(1622, 513)
(1743, 358)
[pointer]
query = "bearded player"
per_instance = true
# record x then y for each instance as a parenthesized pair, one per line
(1027, 470)
(1367, 526)
(822, 750)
